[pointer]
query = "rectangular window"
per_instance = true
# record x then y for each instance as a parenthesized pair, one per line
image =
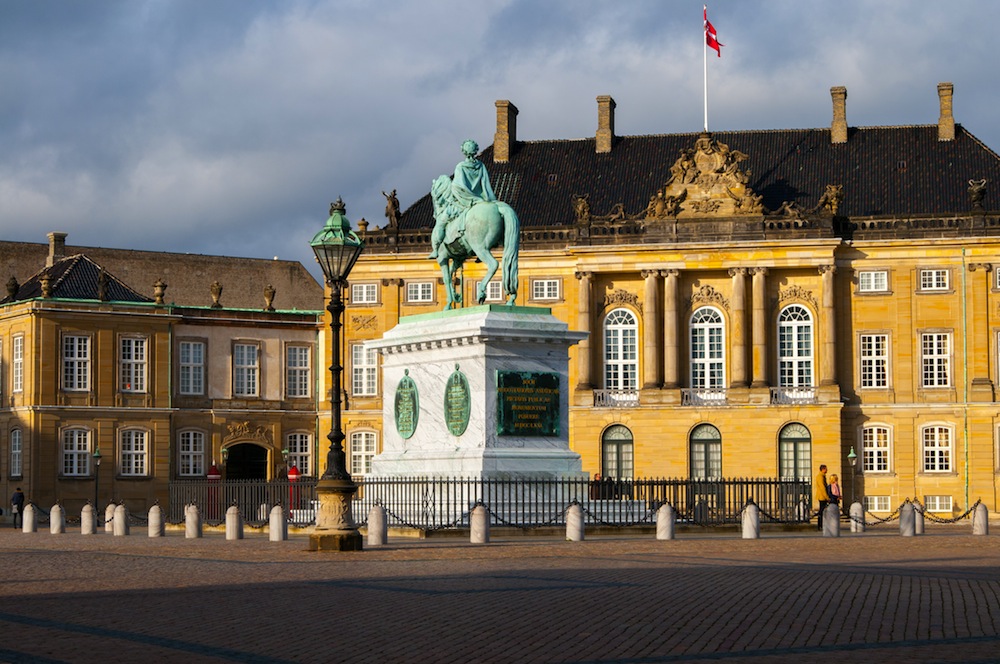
(133, 453)
(364, 293)
(545, 289)
(874, 360)
(875, 281)
(298, 372)
(192, 454)
(935, 359)
(362, 452)
(246, 370)
(192, 367)
(299, 447)
(494, 293)
(933, 280)
(132, 357)
(938, 503)
(877, 504)
(420, 291)
(936, 449)
(364, 370)
(16, 453)
(875, 449)
(76, 453)
(17, 368)
(76, 363)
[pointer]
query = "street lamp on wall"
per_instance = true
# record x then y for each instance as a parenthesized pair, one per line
(97, 475)
(852, 459)
(337, 249)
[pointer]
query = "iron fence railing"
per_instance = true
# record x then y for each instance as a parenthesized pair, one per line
(432, 503)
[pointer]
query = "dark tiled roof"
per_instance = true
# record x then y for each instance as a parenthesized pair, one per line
(77, 278)
(885, 171)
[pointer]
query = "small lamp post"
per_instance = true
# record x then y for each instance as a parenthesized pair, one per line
(852, 459)
(97, 474)
(337, 248)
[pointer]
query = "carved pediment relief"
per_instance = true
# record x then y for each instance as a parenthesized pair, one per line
(620, 296)
(246, 431)
(708, 295)
(797, 293)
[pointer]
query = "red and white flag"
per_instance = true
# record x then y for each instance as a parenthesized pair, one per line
(711, 39)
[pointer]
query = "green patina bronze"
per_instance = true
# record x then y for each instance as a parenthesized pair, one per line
(527, 403)
(457, 403)
(407, 406)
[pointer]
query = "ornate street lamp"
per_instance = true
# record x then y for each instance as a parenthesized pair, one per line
(337, 248)
(852, 459)
(97, 475)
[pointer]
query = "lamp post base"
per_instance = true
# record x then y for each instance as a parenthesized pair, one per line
(335, 528)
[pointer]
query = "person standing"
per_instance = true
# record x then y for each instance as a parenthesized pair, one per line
(821, 494)
(17, 506)
(833, 489)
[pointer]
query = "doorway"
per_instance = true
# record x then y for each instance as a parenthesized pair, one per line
(246, 461)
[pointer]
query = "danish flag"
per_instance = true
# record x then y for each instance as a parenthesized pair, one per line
(711, 39)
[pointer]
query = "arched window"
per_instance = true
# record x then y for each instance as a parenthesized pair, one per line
(708, 358)
(706, 452)
(133, 453)
(362, 449)
(795, 347)
(936, 449)
(616, 453)
(794, 452)
(621, 350)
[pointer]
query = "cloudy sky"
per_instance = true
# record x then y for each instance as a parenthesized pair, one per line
(228, 126)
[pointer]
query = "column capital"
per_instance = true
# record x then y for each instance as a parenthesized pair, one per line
(762, 271)
(392, 282)
(646, 274)
(670, 273)
(986, 267)
(823, 269)
(738, 271)
(584, 275)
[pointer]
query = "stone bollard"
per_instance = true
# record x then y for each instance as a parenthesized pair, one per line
(378, 528)
(29, 522)
(120, 521)
(907, 525)
(751, 521)
(155, 517)
(918, 521)
(57, 520)
(574, 523)
(980, 520)
(666, 522)
(277, 525)
(234, 523)
(109, 518)
(192, 522)
(831, 521)
(479, 525)
(857, 518)
(88, 521)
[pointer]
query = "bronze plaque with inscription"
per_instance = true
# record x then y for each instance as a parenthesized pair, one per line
(527, 403)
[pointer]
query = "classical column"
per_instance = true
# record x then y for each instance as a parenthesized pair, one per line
(738, 362)
(759, 325)
(650, 347)
(583, 352)
(977, 328)
(828, 315)
(670, 349)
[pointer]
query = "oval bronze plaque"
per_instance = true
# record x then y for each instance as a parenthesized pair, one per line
(457, 402)
(407, 406)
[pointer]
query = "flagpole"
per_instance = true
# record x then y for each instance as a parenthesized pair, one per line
(704, 49)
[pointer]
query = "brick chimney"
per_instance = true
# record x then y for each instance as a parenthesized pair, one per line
(605, 123)
(946, 122)
(506, 136)
(838, 130)
(57, 248)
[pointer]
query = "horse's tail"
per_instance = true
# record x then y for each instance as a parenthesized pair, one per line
(511, 247)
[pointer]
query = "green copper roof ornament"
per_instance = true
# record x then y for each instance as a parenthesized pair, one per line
(336, 246)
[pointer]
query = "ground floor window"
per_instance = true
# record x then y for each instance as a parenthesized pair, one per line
(706, 452)
(616, 453)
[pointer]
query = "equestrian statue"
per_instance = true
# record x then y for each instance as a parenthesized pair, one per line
(469, 222)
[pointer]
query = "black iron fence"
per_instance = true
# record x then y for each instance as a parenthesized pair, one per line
(430, 503)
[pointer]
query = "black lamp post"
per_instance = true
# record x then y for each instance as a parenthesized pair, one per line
(337, 248)
(97, 475)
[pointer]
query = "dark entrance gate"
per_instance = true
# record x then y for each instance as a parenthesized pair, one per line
(246, 461)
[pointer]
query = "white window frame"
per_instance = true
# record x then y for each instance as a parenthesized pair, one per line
(796, 355)
(707, 328)
(621, 350)
(363, 445)
(873, 355)
(76, 362)
(16, 453)
(298, 371)
(935, 359)
(75, 446)
(876, 448)
(17, 363)
(364, 371)
(299, 446)
(132, 363)
(366, 293)
(191, 453)
(935, 279)
(494, 291)
(419, 292)
(191, 364)
(133, 453)
(937, 448)
(878, 504)
(246, 369)
(545, 289)
(873, 281)
(939, 503)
